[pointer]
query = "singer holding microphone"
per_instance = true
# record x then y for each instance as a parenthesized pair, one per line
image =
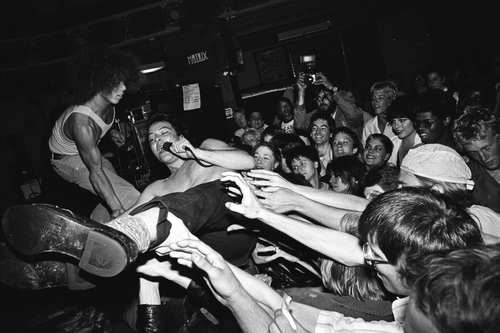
(97, 78)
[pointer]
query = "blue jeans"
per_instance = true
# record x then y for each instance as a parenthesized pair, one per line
(348, 306)
(72, 169)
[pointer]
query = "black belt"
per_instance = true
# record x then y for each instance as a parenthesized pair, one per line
(56, 156)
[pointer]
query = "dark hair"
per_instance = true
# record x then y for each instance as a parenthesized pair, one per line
(323, 115)
(349, 169)
(100, 69)
(249, 113)
(303, 151)
(458, 290)
(282, 99)
(350, 133)
(474, 126)
(386, 176)
(402, 107)
(270, 130)
(386, 142)
(478, 93)
(416, 220)
(287, 141)
(69, 318)
(437, 101)
(274, 149)
(179, 127)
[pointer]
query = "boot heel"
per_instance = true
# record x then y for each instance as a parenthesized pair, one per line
(103, 256)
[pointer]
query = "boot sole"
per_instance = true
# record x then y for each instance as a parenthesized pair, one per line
(38, 228)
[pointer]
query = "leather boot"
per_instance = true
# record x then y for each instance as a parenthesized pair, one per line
(38, 228)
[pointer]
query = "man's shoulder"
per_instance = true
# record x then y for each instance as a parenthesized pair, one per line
(214, 144)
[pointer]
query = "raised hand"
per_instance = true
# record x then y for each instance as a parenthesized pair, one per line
(219, 275)
(265, 178)
(250, 205)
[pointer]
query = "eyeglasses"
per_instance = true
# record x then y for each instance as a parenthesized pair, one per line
(322, 97)
(418, 77)
(426, 123)
(368, 253)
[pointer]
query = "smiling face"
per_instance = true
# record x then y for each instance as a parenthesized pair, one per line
(264, 159)
(305, 167)
(159, 133)
(485, 152)
(380, 102)
(375, 154)
(436, 81)
(429, 127)
(324, 100)
(320, 132)
(343, 145)
(402, 127)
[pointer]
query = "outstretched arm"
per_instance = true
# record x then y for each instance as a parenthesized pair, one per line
(334, 244)
(86, 137)
(348, 202)
(214, 152)
(233, 287)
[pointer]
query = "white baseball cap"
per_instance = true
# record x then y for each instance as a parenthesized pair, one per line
(438, 162)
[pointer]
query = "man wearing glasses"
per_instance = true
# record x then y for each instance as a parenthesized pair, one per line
(395, 225)
(340, 104)
(434, 116)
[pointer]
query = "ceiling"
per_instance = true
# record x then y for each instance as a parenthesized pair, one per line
(25, 18)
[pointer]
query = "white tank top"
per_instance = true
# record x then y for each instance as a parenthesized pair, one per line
(59, 143)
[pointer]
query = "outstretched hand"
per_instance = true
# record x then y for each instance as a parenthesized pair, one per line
(219, 276)
(250, 205)
(266, 180)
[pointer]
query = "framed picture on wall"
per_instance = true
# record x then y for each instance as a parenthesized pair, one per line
(272, 65)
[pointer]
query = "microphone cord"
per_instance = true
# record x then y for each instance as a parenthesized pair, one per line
(197, 159)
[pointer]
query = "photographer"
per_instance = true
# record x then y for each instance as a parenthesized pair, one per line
(338, 103)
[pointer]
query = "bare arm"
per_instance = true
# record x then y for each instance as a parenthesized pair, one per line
(86, 137)
(217, 153)
(334, 244)
(283, 200)
(329, 198)
(234, 288)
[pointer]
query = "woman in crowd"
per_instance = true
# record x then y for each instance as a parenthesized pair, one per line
(378, 150)
(304, 160)
(398, 115)
(344, 174)
(267, 156)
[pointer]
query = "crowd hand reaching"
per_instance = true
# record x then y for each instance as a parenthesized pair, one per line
(265, 178)
(250, 205)
(219, 275)
(322, 79)
(264, 278)
(281, 324)
(278, 253)
(277, 199)
(117, 137)
(163, 267)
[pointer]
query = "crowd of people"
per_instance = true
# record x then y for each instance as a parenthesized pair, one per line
(328, 220)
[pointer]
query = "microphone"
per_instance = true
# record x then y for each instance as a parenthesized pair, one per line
(166, 146)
